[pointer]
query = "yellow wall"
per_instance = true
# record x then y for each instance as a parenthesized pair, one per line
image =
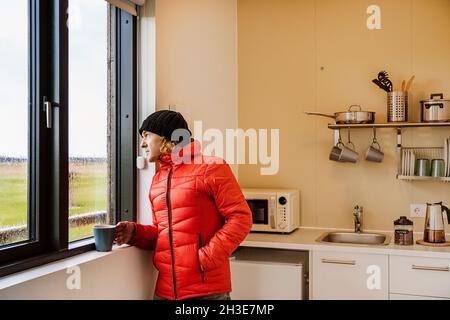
(282, 46)
(196, 60)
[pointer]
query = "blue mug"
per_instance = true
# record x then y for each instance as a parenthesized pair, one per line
(104, 237)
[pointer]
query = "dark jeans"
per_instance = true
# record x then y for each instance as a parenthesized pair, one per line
(220, 296)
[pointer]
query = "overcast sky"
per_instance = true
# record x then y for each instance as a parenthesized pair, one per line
(87, 78)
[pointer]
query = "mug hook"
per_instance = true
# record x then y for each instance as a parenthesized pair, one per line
(340, 143)
(375, 140)
(350, 143)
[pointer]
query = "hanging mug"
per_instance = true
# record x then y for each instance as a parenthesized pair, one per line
(348, 152)
(374, 153)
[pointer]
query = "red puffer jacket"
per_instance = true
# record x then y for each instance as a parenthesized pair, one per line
(200, 217)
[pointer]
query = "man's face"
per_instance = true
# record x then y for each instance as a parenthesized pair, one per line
(151, 144)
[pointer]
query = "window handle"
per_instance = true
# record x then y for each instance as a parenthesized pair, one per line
(48, 109)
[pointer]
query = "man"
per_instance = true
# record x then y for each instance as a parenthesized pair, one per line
(200, 215)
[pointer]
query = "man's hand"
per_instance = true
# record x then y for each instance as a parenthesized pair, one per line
(125, 231)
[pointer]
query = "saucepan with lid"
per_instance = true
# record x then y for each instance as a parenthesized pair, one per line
(437, 109)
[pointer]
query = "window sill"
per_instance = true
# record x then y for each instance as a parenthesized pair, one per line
(78, 253)
(81, 243)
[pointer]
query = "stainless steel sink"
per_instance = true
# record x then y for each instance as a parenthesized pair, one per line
(355, 238)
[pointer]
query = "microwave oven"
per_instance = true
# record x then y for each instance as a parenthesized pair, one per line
(274, 210)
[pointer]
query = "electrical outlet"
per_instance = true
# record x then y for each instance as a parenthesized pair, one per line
(417, 210)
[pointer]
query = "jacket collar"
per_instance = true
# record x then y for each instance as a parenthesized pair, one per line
(181, 155)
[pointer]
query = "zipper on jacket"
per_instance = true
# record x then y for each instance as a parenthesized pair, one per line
(198, 257)
(170, 232)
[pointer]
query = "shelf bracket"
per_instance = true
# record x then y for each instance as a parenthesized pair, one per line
(399, 138)
(399, 151)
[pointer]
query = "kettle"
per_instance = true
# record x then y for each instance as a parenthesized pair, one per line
(434, 223)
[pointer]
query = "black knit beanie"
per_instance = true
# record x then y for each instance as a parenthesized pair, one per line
(164, 123)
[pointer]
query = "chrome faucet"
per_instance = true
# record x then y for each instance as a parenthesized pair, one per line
(357, 213)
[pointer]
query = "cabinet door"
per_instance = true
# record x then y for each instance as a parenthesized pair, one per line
(266, 281)
(420, 276)
(352, 276)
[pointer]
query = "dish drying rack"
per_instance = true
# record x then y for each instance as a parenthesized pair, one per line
(425, 152)
(406, 169)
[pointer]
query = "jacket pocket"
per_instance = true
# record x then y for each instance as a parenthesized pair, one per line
(198, 257)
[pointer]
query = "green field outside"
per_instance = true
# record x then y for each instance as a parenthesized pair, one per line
(88, 193)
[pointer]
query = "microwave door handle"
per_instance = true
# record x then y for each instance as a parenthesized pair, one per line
(272, 220)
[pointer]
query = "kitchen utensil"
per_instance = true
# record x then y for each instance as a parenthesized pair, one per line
(350, 116)
(446, 157)
(423, 168)
(408, 154)
(383, 77)
(413, 163)
(374, 152)
(436, 109)
(382, 74)
(447, 147)
(336, 151)
(405, 158)
(348, 152)
(379, 84)
(434, 231)
(349, 155)
(438, 168)
(404, 163)
(408, 173)
(397, 104)
(408, 163)
(403, 85)
(103, 237)
(408, 85)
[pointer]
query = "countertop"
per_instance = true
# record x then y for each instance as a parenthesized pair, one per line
(305, 239)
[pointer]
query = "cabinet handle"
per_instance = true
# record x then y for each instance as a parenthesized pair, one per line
(346, 262)
(443, 269)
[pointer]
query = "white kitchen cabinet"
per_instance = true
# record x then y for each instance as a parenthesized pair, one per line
(429, 277)
(352, 276)
(269, 274)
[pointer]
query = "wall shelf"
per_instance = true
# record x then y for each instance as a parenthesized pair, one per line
(398, 126)
(394, 125)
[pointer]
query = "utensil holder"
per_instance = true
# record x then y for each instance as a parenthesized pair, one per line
(397, 110)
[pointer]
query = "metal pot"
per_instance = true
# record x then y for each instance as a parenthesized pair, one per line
(435, 110)
(350, 116)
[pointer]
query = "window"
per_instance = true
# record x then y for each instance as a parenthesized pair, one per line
(67, 126)
(14, 124)
(88, 158)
